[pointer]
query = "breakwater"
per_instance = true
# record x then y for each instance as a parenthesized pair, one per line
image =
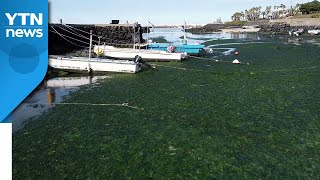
(209, 28)
(67, 38)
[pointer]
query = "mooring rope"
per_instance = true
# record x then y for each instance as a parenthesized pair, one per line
(81, 30)
(277, 70)
(70, 41)
(63, 36)
(75, 31)
(196, 57)
(216, 60)
(93, 104)
(174, 67)
(240, 43)
(283, 70)
(122, 42)
(76, 34)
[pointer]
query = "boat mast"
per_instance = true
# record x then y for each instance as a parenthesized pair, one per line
(185, 33)
(98, 46)
(90, 51)
(134, 35)
(152, 25)
(148, 32)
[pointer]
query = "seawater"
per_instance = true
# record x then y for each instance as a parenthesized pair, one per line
(45, 97)
(175, 35)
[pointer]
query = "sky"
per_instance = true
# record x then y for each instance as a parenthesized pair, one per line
(159, 12)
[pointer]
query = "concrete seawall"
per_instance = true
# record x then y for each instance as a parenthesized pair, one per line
(67, 38)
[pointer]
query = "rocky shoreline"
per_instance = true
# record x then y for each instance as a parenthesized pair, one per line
(283, 28)
(210, 28)
(264, 27)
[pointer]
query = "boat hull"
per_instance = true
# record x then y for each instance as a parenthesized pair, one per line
(191, 49)
(126, 53)
(314, 32)
(79, 64)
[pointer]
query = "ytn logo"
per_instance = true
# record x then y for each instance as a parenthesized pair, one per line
(32, 23)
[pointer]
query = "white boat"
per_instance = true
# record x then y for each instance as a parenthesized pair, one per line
(314, 32)
(296, 32)
(83, 64)
(95, 65)
(127, 53)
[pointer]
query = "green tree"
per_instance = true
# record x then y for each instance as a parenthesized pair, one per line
(268, 11)
(296, 9)
(310, 7)
(236, 16)
(282, 10)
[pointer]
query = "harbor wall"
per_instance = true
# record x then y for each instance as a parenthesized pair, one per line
(67, 38)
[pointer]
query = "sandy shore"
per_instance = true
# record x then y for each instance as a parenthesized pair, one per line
(240, 30)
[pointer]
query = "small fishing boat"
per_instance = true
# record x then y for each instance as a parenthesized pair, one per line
(184, 47)
(83, 64)
(190, 49)
(95, 65)
(127, 53)
(314, 31)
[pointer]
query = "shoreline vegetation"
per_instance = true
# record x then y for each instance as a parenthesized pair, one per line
(311, 9)
(255, 16)
(261, 26)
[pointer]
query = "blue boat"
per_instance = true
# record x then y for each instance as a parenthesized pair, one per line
(190, 49)
(184, 47)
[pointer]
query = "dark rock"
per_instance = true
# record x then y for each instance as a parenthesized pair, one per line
(209, 28)
(283, 28)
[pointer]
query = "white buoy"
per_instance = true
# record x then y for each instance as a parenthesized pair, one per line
(236, 61)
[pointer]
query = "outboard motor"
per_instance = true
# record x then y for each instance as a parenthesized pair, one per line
(137, 59)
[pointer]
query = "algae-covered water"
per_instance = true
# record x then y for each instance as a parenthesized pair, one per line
(176, 35)
(198, 119)
(49, 93)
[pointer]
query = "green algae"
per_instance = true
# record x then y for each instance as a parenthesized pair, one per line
(198, 119)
